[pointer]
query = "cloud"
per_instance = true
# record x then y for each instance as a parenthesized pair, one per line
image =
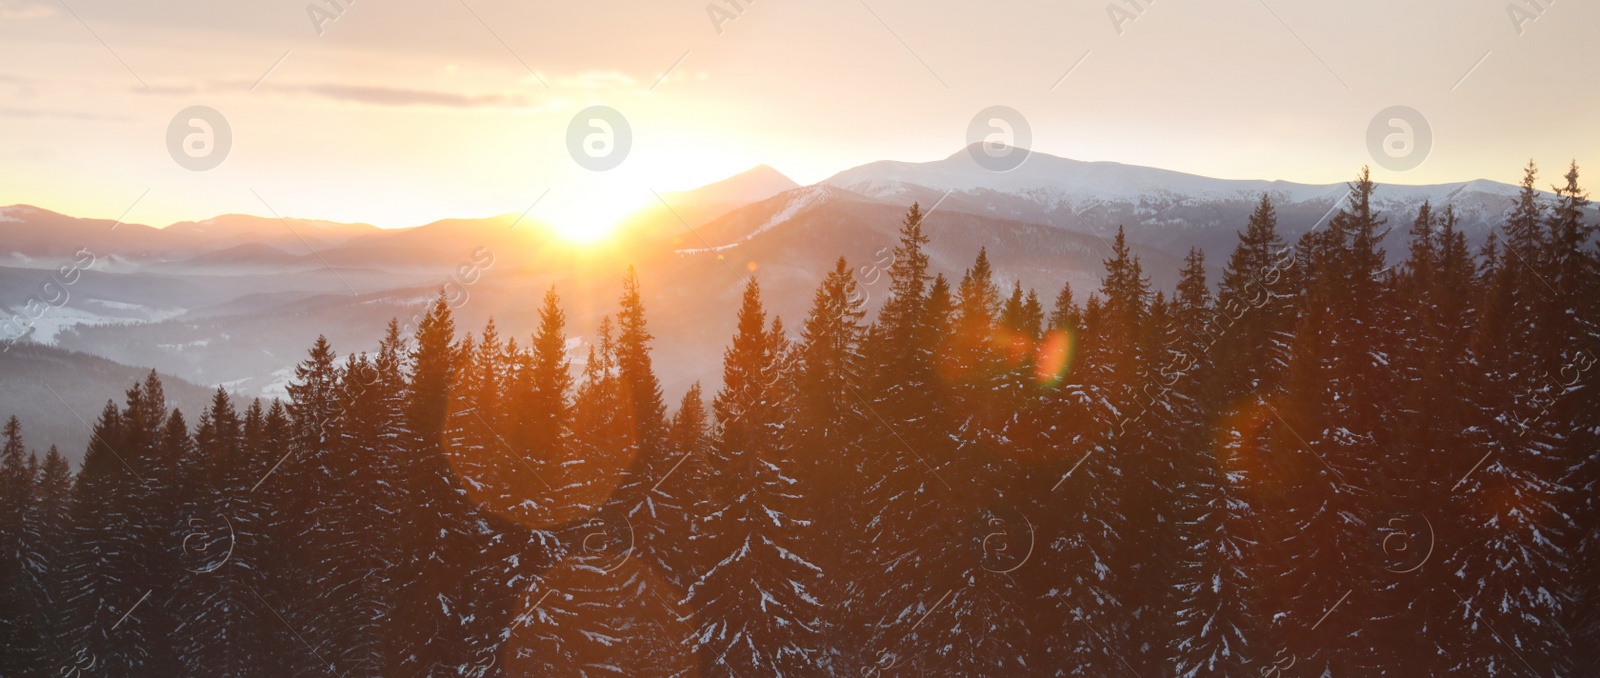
(36, 113)
(393, 96)
(20, 10)
(534, 96)
(175, 90)
(593, 80)
(362, 94)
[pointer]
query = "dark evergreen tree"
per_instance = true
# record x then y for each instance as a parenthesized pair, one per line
(544, 391)
(1505, 580)
(217, 632)
(277, 547)
(50, 525)
(1248, 330)
(682, 541)
(442, 540)
(831, 429)
(21, 596)
(1575, 316)
(755, 608)
(1216, 611)
(640, 393)
(900, 510)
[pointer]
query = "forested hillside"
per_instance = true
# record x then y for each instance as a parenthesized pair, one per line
(1320, 464)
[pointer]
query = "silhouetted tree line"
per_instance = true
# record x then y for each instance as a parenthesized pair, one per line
(1322, 465)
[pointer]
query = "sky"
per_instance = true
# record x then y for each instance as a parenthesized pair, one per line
(400, 112)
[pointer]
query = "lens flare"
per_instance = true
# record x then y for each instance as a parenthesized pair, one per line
(1054, 357)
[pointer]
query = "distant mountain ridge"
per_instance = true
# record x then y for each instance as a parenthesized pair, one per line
(1090, 197)
(236, 299)
(1160, 208)
(1104, 179)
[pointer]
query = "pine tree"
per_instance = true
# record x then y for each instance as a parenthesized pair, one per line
(1426, 321)
(690, 432)
(20, 594)
(1574, 316)
(1570, 272)
(683, 538)
(475, 440)
(51, 523)
(1247, 330)
(1505, 580)
(122, 510)
(830, 368)
(547, 385)
(986, 535)
(100, 525)
(426, 630)
(602, 453)
(606, 588)
(654, 510)
(756, 610)
(831, 431)
(1095, 418)
(1125, 292)
(640, 392)
(316, 477)
(217, 632)
(1327, 432)
(276, 547)
(1138, 483)
(155, 440)
(901, 508)
(1066, 315)
(1216, 619)
(420, 640)
(977, 360)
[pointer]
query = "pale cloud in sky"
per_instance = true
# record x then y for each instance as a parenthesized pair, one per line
(402, 112)
(23, 10)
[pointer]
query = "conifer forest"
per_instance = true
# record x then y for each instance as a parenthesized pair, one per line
(1331, 461)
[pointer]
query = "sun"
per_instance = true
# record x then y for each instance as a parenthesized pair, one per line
(586, 228)
(589, 212)
(587, 208)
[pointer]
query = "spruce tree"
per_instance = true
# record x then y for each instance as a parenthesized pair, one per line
(755, 608)
(277, 547)
(425, 633)
(690, 437)
(831, 432)
(101, 522)
(20, 594)
(900, 510)
(1327, 431)
(640, 393)
(546, 389)
(217, 632)
(977, 358)
(1575, 326)
(1247, 330)
(1215, 608)
(51, 522)
(1511, 455)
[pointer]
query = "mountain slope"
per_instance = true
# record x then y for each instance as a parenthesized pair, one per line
(230, 230)
(1160, 208)
(696, 207)
(32, 376)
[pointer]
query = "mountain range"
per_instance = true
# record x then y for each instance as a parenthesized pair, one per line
(235, 300)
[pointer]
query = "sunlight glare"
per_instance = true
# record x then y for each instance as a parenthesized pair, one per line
(587, 209)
